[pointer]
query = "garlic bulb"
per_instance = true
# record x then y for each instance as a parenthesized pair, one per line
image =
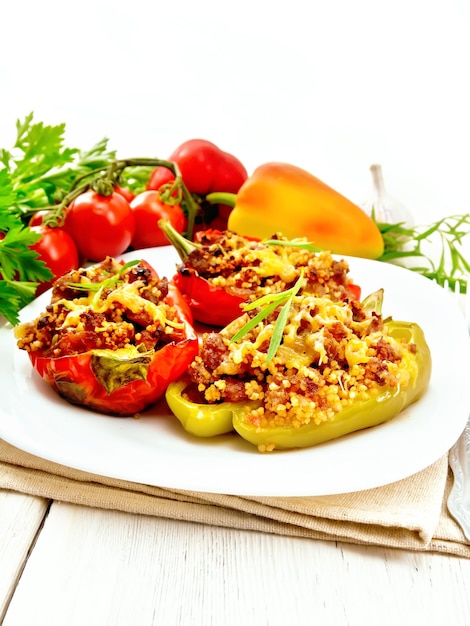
(386, 208)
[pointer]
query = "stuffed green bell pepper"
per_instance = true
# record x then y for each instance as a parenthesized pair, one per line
(299, 371)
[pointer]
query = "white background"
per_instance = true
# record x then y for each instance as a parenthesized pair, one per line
(330, 85)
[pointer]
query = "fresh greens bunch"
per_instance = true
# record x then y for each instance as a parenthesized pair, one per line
(41, 170)
(36, 172)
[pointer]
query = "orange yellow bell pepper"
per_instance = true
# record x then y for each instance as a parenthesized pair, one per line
(283, 198)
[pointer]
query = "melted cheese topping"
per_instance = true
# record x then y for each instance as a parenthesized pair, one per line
(311, 323)
(126, 295)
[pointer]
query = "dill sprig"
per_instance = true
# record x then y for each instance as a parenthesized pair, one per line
(403, 243)
(269, 303)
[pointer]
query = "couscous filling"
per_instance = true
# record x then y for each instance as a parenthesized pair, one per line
(332, 355)
(103, 308)
(251, 268)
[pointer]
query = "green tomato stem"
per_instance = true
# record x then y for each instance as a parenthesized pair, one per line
(191, 206)
(103, 179)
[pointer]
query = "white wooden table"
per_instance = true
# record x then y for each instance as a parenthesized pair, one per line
(332, 87)
(67, 565)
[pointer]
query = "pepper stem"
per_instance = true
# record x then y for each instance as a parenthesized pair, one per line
(222, 197)
(183, 246)
(373, 302)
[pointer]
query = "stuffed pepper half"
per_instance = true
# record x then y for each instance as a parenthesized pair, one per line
(221, 271)
(302, 373)
(112, 338)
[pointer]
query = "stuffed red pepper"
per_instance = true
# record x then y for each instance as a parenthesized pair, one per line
(112, 338)
(221, 271)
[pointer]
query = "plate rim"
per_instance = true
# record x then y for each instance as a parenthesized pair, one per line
(240, 485)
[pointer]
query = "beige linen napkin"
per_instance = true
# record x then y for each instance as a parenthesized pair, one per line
(410, 514)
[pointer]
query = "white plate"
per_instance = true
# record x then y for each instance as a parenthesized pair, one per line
(156, 450)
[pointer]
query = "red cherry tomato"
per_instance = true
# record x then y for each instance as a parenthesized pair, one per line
(37, 218)
(101, 226)
(125, 193)
(148, 209)
(160, 176)
(58, 251)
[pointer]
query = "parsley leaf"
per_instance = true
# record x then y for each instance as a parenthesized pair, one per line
(14, 295)
(37, 150)
(37, 171)
(41, 169)
(17, 260)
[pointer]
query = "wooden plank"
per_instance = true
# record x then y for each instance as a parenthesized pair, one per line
(21, 517)
(105, 568)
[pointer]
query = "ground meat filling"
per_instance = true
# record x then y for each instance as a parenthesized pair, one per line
(331, 355)
(94, 308)
(251, 268)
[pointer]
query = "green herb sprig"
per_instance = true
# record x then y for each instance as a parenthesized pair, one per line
(21, 270)
(35, 172)
(104, 285)
(403, 243)
(41, 170)
(294, 243)
(270, 302)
